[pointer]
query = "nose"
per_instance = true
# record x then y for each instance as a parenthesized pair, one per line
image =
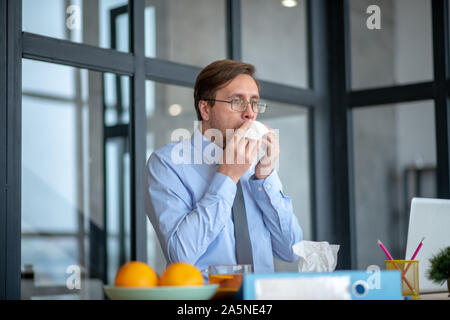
(249, 114)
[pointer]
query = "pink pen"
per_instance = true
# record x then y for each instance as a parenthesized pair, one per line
(417, 250)
(385, 250)
(414, 254)
(396, 266)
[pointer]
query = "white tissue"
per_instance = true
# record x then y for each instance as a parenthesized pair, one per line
(256, 131)
(316, 256)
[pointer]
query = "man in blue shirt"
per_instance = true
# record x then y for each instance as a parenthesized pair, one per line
(190, 203)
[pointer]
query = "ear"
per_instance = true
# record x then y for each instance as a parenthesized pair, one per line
(204, 109)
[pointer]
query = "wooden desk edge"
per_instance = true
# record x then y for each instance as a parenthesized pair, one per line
(434, 296)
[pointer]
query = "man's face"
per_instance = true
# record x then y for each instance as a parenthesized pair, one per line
(221, 116)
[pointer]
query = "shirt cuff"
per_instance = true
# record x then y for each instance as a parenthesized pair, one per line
(269, 187)
(224, 187)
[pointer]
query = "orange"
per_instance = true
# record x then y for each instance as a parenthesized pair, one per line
(136, 274)
(181, 274)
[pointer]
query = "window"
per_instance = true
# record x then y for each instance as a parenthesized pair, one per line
(397, 141)
(398, 53)
(274, 38)
(191, 32)
(66, 219)
(102, 23)
(400, 156)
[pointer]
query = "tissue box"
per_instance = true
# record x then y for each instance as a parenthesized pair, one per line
(338, 285)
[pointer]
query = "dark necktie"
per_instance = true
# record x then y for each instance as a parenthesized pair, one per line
(243, 245)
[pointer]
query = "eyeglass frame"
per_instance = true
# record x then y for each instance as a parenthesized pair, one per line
(246, 104)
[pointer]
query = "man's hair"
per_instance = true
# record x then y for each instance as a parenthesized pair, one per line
(217, 75)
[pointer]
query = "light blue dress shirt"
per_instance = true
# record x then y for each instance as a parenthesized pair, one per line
(189, 205)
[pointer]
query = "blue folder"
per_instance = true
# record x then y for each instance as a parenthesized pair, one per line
(387, 285)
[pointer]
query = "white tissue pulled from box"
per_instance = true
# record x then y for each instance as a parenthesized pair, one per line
(256, 131)
(303, 288)
(316, 256)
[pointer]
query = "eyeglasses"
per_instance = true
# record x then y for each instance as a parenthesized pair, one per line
(241, 105)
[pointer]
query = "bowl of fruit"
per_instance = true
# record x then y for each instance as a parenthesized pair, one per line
(180, 281)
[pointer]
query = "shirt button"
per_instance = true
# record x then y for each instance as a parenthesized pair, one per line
(268, 187)
(259, 189)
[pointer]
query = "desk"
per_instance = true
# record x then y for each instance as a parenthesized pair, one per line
(434, 296)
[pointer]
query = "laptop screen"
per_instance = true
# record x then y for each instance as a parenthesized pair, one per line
(429, 218)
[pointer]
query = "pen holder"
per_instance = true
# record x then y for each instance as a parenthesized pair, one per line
(409, 271)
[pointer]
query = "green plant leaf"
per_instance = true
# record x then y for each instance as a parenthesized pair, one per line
(439, 270)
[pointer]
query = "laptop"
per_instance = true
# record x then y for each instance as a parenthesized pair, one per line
(429, 218)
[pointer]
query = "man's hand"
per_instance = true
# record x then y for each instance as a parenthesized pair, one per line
(239, 153)
(265, 166)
